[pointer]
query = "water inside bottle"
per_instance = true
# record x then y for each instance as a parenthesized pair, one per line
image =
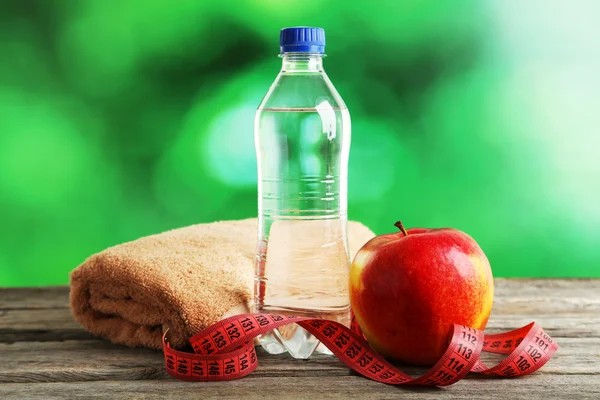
(302, 261)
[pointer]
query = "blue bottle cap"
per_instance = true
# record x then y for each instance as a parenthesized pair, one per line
(302, 39)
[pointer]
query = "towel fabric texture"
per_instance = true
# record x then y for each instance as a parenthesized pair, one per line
(185, 279)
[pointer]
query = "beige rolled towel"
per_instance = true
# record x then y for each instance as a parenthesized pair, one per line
(185, 279)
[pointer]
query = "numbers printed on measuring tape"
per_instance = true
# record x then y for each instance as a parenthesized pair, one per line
(262, 320)
(342, 340)
(229, 366)
(469, 337)
(534, 353)
(444, 376)
(214, 368)
(170, 362)
(232, 331)
(198, 368)
(226, 351)
(365, 360)
(464, 351)
(387, 374)
(247, 324)
(509, 371)
(455, 365)
(375, 368)
(354, 350)
(219, 339)
(541, 343)
(317, 323)
(522, 363)
(330, 330)
(182, 366)
(207, 346)
(244, 362)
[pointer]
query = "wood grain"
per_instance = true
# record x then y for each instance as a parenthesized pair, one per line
(47, 297)
(70, 362)
(326, 387)
(47, 355)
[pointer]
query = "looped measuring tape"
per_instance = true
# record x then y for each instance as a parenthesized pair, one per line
(225, 351)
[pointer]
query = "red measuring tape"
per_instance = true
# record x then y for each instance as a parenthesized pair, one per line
(225, 351)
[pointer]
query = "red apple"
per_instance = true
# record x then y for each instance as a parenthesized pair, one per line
(408, 288)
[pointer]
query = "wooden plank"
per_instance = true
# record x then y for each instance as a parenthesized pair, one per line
(36, 324)
(505, 289)
(328, 387)
(547, 286)
(513, 297)
(61, 319)
(543, 296)
(58, 324)
(559, 296)
(73, 361)
(558, 305)
(43, 335)
(37, 319)
(41, 316)
(70, 362)
(582, 325)
(41, 297)
(44, 344)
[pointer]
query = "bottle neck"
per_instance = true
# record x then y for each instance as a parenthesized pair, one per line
(302, 62)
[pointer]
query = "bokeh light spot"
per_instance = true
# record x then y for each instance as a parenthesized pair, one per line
(229, 147)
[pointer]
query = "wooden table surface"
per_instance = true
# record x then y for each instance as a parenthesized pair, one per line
(45, 354)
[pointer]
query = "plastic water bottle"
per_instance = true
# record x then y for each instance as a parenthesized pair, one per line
(302, 138)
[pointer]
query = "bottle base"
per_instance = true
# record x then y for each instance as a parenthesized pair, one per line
(297, 341)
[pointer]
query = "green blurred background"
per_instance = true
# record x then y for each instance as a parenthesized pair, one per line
(123, 118)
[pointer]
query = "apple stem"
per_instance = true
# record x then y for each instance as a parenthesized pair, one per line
(401, 227)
